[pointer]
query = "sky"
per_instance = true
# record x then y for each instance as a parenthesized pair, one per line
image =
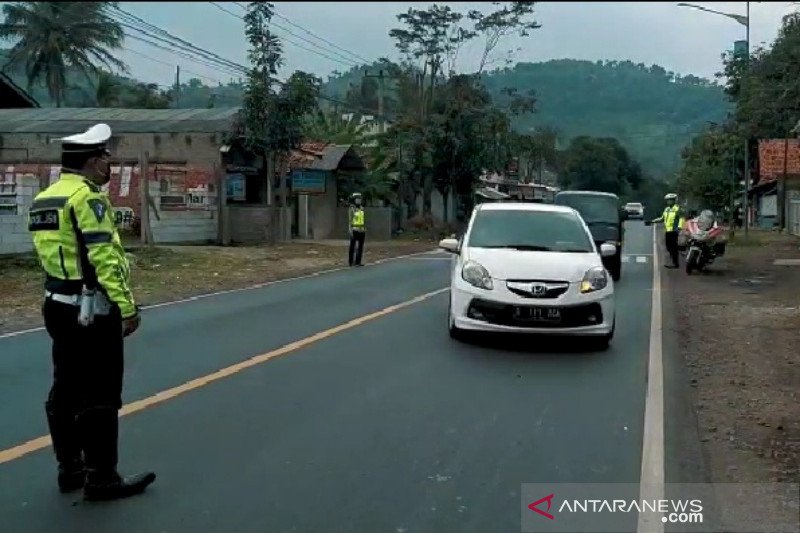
(680, 39)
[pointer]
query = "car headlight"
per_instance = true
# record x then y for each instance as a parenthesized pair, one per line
(595, 279)
(477, 276)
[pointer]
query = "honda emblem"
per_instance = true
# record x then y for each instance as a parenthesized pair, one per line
(538, 289)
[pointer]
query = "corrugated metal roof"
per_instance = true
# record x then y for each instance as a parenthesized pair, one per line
(331, 157)
(318, 156)
(72, 120)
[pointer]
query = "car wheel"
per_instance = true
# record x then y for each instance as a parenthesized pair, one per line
(616, 268)
(455, 333)
(602, 343)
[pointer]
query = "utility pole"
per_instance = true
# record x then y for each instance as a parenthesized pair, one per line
(747, 135)
(381, 76)
(178, 86)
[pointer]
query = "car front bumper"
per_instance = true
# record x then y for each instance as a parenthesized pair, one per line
(492, 311)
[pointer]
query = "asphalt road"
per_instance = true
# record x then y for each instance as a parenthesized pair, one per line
(384, 425)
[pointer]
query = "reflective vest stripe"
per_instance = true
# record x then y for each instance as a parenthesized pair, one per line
(671, 218)
(358, 218)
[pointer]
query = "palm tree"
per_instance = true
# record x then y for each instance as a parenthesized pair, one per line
(333, 128)
(52, 37)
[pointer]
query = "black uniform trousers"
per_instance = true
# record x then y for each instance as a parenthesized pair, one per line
(357, 238)
(671, 242)
(83, 404)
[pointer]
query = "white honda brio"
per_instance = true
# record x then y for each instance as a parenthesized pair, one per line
(530, 268)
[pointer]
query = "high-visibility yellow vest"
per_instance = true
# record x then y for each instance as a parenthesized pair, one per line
(673, 219)
(71, 216)
(357, 220)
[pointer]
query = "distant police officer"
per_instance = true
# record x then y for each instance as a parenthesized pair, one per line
(673, 222)
(88, 310)
(357, 228)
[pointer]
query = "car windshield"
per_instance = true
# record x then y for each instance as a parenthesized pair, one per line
(593, 209)
(522, 229)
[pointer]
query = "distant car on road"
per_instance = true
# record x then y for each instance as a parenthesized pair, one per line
(530, 268)
(634, 210)
(602, 213)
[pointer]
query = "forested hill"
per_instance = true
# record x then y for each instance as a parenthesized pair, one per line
(653, 112)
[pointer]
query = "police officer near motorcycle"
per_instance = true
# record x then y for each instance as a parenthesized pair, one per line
(88, 311)
(673, 220)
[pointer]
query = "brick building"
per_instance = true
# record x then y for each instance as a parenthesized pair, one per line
(776, 194)
(186, 162)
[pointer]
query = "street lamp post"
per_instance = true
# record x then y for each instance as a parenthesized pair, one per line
(744, 21)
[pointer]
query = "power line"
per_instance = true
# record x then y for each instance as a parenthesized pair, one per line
(347, 61)
(154, 31)
(358, 57)
(222, 63)
(131, 50)
(213, 66)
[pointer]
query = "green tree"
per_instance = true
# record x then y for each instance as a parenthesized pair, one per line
(598, 164)
(273, 121)
(145, 96)
(710, 168)
(332, 128)
(51, 37)
(508, 18)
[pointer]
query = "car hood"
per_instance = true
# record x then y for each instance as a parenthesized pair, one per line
(524, 265)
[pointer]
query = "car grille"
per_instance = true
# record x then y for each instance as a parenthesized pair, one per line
(503, 315)
(538, 289)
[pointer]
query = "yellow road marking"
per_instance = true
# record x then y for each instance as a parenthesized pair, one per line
(38, 443)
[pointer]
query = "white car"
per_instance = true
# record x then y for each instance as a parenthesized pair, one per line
(634, 210)
(530, 268)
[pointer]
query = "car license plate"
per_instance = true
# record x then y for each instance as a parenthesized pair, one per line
(537, 314)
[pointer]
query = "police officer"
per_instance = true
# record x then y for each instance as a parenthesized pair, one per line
(673, 222)
(357, 229)
(88, 310)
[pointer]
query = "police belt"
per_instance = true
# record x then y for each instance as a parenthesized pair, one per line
(101, 304)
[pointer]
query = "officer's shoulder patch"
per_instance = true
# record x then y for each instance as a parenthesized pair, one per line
(98, 207)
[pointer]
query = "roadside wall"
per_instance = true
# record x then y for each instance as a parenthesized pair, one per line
(251, 224)
(185, 200)
(17, 191)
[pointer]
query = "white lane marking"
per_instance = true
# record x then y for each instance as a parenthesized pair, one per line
(641, 259)
(242, 289)
(626, 259)
(651, 482)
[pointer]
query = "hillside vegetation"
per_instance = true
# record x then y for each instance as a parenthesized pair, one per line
(652, 112)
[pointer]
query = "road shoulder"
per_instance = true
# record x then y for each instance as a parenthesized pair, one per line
(167, 273)
(737, 329)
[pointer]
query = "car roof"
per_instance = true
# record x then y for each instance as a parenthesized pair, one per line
(588, 193)
(525, 206)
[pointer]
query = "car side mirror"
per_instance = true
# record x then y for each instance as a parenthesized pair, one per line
(607, 249)
(449, 245)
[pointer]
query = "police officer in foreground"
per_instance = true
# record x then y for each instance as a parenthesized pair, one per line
(357, 229)
(88, 310)
(673, 222)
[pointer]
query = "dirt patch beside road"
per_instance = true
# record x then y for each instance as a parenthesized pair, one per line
(166, 273)
(739, 332)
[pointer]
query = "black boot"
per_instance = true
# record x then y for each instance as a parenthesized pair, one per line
(64, 434)
(100, 429)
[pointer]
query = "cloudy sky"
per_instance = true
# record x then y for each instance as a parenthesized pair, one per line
(680, 39)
